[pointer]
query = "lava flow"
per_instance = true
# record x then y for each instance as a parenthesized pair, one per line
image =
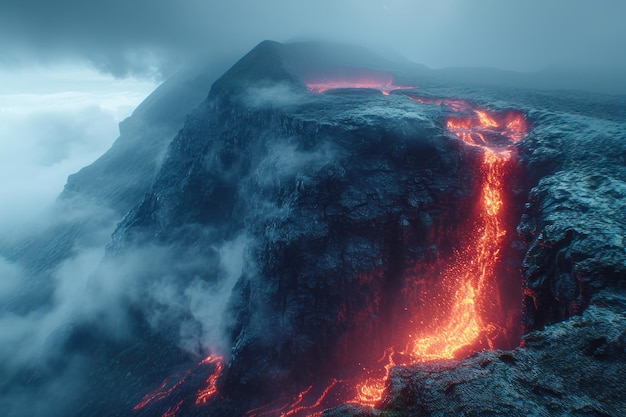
(467, 295)
(459, 315)
(169, 385)
(465, 306)
(210, 385)
(374, 80)
(175, 382)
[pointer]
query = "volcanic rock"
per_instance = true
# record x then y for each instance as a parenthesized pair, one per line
(338, 198)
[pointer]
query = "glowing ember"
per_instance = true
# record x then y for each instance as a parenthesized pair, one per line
(375, 80)
(210, 386)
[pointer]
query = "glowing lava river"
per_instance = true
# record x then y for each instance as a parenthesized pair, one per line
(462, 313)
(464, 307)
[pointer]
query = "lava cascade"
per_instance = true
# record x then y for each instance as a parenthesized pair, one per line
(464, 303)
(213, 364)
(467, 294)
(464, 306)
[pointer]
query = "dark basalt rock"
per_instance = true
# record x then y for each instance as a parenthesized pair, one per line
(575, 222)
(337, 193)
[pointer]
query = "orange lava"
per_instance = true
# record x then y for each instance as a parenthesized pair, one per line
(210, 385)
(173, 383)
(370, 391)
(375, 80)
(467, 283)
(168, 386)
(303, 404)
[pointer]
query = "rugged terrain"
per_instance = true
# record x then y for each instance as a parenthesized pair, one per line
(293, 233)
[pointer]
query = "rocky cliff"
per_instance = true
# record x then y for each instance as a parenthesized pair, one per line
(306, 220)
(340, 194)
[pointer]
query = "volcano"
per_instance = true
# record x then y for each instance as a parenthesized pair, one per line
(335, 233)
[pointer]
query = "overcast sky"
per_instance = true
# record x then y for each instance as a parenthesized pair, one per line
(124, 36)
(70, 70)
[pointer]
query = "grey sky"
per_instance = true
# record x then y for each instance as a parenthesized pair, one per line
(137, 36)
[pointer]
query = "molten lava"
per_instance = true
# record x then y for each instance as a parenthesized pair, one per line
(166, 388)
(466, 303)
(174, 383)
(303, 404)
(210, 385)
(457, 316)
(467, 286)
(375, 80)
(171, 412)
(370, 391)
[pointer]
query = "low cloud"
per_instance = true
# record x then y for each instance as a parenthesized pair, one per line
(43, 139)
(99, 291)
(151, 36)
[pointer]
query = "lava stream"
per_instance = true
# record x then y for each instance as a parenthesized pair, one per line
(375, 80)
(174, 383)
(210, 386)
(465, 302)
(171, 412)
(467, 284)
(303, 404)
(167, 387)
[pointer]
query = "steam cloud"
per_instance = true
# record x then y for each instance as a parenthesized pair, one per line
(94, 289)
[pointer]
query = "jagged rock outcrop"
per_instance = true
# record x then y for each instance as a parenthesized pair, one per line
(575, 222)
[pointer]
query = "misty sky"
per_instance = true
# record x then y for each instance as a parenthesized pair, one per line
(121, 36)
(70, 70)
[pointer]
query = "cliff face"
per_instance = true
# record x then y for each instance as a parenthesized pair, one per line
(574, 274)
(338, 194)
(574, 222)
